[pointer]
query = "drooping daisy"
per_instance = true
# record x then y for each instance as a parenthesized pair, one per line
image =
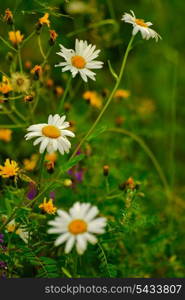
(140, 25)
(52, 136)
(80, 60)
(77, 227)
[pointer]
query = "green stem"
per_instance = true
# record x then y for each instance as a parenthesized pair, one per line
(13, 126)
(149, 153)
(11, 117)
(46, 57)
(41, 167)
(107, 184)
(40, 48)
(27, 39)
(19, 114)
(95, 25)
(65, 94)
(19, 59)
(37, 97)
(129, 47)
(7, 44)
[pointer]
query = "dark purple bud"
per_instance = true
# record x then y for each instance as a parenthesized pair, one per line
(32, 191)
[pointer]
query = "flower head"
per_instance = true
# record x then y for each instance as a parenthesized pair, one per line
(8, 16)
(52, 135)
(140, 25)
(78, 226)
(20, 82)
(93, 98)
(15, 37)
(122, 94)
(5, 86)
(48, 207)
(10, 169)
(5, 135)
(30, 164)
(45, 20)
(52, 157)
(80, 60)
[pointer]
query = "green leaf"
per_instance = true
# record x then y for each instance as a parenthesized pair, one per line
(72, 162)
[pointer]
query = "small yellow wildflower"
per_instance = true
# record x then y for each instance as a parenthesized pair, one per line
(15, 37)
(5, 86)
(122, 94)
(48, 207)
(30, 164)
(10, 169)
(8, 16)
(5, 135)
(93, 98)
(45, 20)
(59, 91)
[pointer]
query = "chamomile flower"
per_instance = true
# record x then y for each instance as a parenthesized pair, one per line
(77, 227)
(140, 25)
(80, 60)
(51, 136)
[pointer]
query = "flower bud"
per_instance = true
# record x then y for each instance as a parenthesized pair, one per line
(106, 170)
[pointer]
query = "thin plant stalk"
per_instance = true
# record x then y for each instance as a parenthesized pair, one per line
(118, 80)
(150, 154)
(65, 94)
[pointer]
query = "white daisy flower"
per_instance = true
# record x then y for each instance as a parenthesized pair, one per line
(80, 60)
(52, 136)
(140, 25)
(77, 227)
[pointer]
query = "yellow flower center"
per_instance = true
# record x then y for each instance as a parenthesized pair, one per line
(141, 22)
(77, 226)
(51, 131)
(78, 61)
